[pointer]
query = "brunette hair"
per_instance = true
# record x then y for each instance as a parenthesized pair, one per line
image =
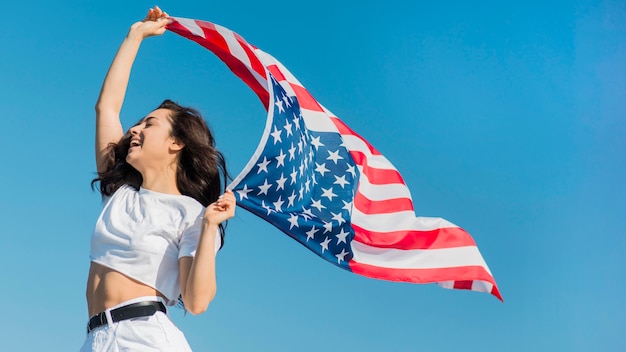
(201, 173)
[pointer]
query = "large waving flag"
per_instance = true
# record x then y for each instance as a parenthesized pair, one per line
(326, 187)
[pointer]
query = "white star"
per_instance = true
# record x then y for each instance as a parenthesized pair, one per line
(341, 256)
(300, 144)
(317, 204)
(243, 193)
(287, 100)
(296, 121)
(293, 175)
(292, 152)
(293, 221)
(347, 206)
(279, 104)
(264, 188)
(288, 128)
(276, 135)
(334, 156)
(311, 233)
(281, 182)
(266, 207)
(352, 170)
(301, 168)
(291, 198)
(328, 226)
(280, 159)
(321, 168)
(328, 193)
(305, 138)
(316, 142)
(307, 186)
(301, 193)
(338, 217)
(341, 237)
(263, 165)
(325, 244)
(307, 214)
(341, 181)
(278, 204)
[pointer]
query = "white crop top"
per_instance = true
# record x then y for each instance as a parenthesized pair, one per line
(142, 234)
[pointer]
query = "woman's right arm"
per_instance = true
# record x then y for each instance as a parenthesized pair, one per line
(108, 126)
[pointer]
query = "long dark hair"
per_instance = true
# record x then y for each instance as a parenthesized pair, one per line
(201, 173)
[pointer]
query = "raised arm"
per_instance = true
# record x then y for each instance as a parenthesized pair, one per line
(108, 126)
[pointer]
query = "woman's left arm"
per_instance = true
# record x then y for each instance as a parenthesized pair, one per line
(197, 274)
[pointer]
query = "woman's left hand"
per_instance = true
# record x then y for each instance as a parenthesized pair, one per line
(221, 210)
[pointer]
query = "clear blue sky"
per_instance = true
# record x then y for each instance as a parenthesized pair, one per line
(506, 118)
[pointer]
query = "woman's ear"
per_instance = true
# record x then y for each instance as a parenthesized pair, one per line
(176, 145)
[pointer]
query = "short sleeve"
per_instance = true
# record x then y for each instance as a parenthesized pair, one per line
(191, 236)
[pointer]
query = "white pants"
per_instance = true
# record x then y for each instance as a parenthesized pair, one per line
(156, 333)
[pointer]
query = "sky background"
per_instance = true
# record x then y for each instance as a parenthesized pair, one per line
(506, 118)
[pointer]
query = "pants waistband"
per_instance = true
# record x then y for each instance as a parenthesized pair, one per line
(129, 311)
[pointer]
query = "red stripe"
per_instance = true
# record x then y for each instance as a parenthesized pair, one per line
(463, 285)
(425, 276)
(305, 99)
(276, 72)
(344, 129)
(368, 206)
(256, 64)
(446, 237)
(374, 175)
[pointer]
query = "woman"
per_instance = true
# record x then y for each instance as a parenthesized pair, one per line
(161, 224)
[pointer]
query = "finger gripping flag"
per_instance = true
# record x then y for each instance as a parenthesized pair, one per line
(323, 185)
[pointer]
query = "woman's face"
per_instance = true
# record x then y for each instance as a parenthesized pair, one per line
(151, 144)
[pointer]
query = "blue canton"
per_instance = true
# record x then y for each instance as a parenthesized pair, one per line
(304, 183)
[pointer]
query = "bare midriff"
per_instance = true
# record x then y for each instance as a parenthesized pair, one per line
(107, 288)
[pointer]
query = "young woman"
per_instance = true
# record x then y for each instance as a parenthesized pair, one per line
(161, 224)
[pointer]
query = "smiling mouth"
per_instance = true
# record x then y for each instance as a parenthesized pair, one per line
(135, 143)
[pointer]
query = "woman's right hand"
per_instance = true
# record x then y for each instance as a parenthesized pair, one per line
(153, 24)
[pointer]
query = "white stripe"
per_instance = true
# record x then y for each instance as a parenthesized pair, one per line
(236, 50)
(378, 161)
(382, 192)
(318, 121)
(417, 258)
(234, 46)
(191, 26)
(268, 60)
(398, 221)
(446, 284)
(482, 286)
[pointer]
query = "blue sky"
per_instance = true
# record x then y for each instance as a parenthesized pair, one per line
(506, 118)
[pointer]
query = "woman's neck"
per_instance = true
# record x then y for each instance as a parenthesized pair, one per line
(162, 182)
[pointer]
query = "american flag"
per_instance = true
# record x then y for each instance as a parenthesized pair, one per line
(319, 182)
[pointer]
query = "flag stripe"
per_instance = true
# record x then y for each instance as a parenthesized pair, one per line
(452, 257)
(347, 131)
(397, 221)
(425, 239)
(376, 175)
(420, 275)
(382, 192)
(305, 98)
(368, 206)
